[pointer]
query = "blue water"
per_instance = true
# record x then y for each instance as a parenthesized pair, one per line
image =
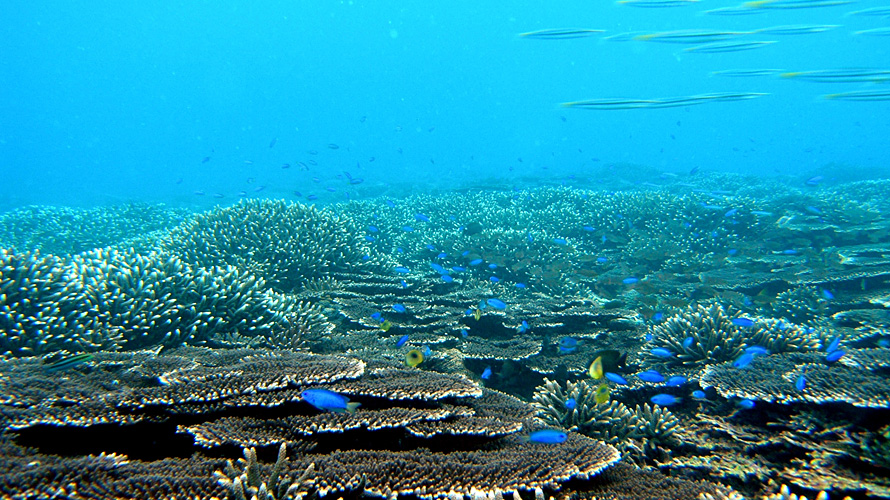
(113, 101)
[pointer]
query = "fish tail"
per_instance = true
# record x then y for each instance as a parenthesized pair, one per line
(350, 407)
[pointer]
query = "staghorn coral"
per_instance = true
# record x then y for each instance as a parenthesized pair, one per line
(108, 299)
(800, 304)
(715, 338)
(657, 428)
(247, 482)
(611, 422)
(286, 244)
(303, 322)
(67, 230)
(42, 310)
(778, 336)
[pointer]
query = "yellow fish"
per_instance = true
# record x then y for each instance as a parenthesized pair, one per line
(413, 358)
(596, 368)
(602, 394)
(386, 325)
(477, 313)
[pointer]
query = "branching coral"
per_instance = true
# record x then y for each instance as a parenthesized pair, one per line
(714, 338)
(799, 305)
(109, 299)
(286, 244)
(66, 230)
(246, 483)
(653, 428)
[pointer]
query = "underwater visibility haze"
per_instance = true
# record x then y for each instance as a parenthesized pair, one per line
(466, 250)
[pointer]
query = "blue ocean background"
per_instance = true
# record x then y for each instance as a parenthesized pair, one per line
(111, 102)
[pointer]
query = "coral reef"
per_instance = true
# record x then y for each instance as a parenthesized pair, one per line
(774, 379)
(219, 389)
(286, 244)
(122, 299)
(64, 230)
(247, 482)
(715, 338)
(645, 431)
(497, 290)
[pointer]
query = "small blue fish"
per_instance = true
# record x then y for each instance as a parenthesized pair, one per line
(326, 400)
(650, 376)
(402, 341)
(687, 342)
(464, 332)
(568, 342)
(408, 229)
(560, 241)
(756, 350)
(402, 270)
(658, 316)
(801, 383)
(676, 381)
(602, 260)
(427, 352)
(486, 373)
(439, 269)
(827, 295)
(548, 436)
(630, 281)
(476, 262)
(523, 327)
(390, 203)
(377, 316)
(447, 279)
(373, 229)
(790, 251)
(661, 352)
(492, 266)
(589, 229)
(743, 361)
(833, 345)
(404, 284)
(698, 394)
(834, 356)
(421, 218)
(746, 404)
(664, 399)
(731, 212)
(431, 247)
(743, 322)
(442, 255)
(369, 238)
(494, 279)
(399, 308)
(458, 269)
(520, 285)
(497, 304)
(614, 377)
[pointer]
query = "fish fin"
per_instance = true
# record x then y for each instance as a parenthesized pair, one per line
(350, 407)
